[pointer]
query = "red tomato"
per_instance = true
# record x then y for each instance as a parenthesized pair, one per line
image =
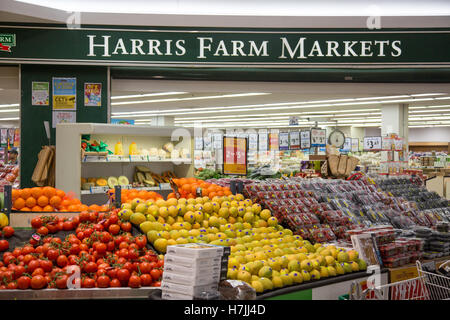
(12, 285)
(141, 241)
(90, 267)
(8, 231)
(38, 282)
(17, 252)
(105, 237)
(23, 282)
(88, 283)
(112, 273)
(115, 283)
(84, 247)
(4, 245)
(103, 281)
(93, 216)
(129, 266)
(123, 274)
(42, 231)
(157, 284)
(67, 225)
(118, 240)
(123, 253)
(33, 265)
(133, 254)
(114, 229)
(27, 249)
(62, 261)
(145, 267)
(87, 232)
(146, 280)
(110, 246)
(123, 245)
(134, 282)
(83, 216)
(126, 226)
(61, 281)
(38, 271)
(155, 273)
(100, 248)
(114, 218)
(160, 263)
(18, 271)
(46, 265)
(75, 221)
(52, 228)
(36, 223)
(60, 225)
(52, 254)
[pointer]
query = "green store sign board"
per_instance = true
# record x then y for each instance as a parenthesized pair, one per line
(223, 47)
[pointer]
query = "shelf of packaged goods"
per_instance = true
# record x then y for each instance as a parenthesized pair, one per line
(174, 161)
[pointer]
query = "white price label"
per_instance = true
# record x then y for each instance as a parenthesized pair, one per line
(127, 186)
(117, 158)
(283, 141)
(318, 137)
(263, 141)
(253, 141)
(164, 186)
(294, 140)
(99, 189)
(138, 158)
(94, 159)
(372, 143)
(305, 139)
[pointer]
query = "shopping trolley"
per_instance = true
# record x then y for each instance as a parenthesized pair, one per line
(427, 286)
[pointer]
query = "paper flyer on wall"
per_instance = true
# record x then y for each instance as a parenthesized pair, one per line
(93, 94)
(64, 94)
(63, 117)
(40, 93)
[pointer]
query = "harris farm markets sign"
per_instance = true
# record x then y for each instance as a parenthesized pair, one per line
(223, 47)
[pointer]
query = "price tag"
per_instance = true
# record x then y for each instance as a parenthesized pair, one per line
(294, 140)
(284, 141)
(305, 139)
(263, 141)
(94, 159)
(164, 186)
(127, 186)
(138, 158)
(99, 189)
(117, 158)
(253, 141)
(372, 143)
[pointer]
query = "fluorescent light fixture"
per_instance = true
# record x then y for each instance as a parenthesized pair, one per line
(431, 107)
(9, 105)
(427, 94)
(442, 98)
(146, 95)
(191, 98)
(408, 100)
(9, 119)
(10, 110)
(429, 111)
(386, 97)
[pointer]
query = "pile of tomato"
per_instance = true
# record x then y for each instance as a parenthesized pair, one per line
(100, 244)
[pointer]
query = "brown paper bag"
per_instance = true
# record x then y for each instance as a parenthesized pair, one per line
(333, 162)
(342, 166)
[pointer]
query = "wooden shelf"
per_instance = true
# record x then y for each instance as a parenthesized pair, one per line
(429, 146)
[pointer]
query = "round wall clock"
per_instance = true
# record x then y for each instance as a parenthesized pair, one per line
(336, 138)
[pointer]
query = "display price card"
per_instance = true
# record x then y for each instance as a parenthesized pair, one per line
(273, 141)
(305, 139)
(347, 145)
(253, 141)
(117, 158)
(235, 156)
(284, 141)
(355, 144)
(94, 159)
(164, 186)
(263, 141)
(318, 137)
(372, 143)
(138, 158)
(98, 189)
(294, 140)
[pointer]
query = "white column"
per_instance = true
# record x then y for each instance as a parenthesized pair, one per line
(394, 119)
(163, 121)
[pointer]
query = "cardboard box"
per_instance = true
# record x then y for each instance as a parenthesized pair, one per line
(190, 279)
(189, 290)
(192, 262)
(196, 250)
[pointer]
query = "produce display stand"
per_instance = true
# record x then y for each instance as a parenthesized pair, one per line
(70, 166)
(324, 289)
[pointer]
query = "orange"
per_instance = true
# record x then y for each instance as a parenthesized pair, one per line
(183, 181)
(48, 208)
(176, 181)
(19, 204)
(220, 193)
(83, 207)
(194, 188)
(65, 203)
(186, 187)
(190, 196)
(36, 192)
(55, 201)
(42, 201)
(171, 196)
(143, 195)
(75, 201)
(25, 209)
(60, 193)
(212, 194)
(227, 192)
(104, 207)
(204, 192)
(16, 193)
(49, 192)
(94, 207)
(133, 195)
(36, 208)
(192, 180)
(26, 193)
(30, 202)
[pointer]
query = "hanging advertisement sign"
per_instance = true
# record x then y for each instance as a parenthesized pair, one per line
(273, 141)
(305, 139)
(64, 94)
(294, 140)
(318, 137)
(355, 145)
(283, 141)
(347, 145)
(235, 156)
(63, 117)
(253, 142)
(372, 143)
(263, 141)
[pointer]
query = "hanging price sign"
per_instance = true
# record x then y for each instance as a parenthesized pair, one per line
(372, 143)
(235, 156)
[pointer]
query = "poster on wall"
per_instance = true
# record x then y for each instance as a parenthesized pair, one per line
(372, 143)
(294, 140)
(284, 141)
(64, 94)
(235, 156)
(305, 139)
(63, 117)
(40, 93)
(318, 137)
(92, 94)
